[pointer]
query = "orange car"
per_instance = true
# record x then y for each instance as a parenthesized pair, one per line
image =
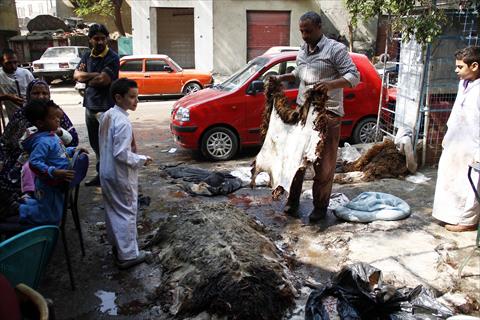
(158, 74)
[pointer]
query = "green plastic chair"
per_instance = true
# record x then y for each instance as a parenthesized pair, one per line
(24, 257)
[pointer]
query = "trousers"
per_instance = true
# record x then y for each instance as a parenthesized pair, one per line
(324, 167)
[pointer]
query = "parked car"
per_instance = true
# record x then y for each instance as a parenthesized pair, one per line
(58, 63)
(158, 74)
(221, 119)
(279, 49)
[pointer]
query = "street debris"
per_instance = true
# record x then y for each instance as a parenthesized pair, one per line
(203, 182)
(371, 206)
(358, 292)
(336, 199)
(245, 174)
(217, 259)
(417, 178)
(143, 201)
(348, 153)
(107, 304)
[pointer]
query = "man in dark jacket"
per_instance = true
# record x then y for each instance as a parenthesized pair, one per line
(97, 69)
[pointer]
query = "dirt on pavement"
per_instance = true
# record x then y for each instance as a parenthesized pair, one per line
(409, 252)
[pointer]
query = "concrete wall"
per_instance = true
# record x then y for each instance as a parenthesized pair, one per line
(221, 27)
(144, 27)
(8, 16)
(8, 22)
(65, 10)
(335, 21)
(230, 29)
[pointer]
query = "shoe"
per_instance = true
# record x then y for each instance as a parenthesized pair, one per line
(461, 227)
(126, 264)
(95, 182)
(291, 209)
(317, 215)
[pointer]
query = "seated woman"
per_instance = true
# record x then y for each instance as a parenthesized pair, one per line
(11, 151)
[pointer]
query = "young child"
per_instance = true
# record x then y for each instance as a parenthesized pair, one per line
(27, 181)
(49, 160)
(119, 174)
(455, 203)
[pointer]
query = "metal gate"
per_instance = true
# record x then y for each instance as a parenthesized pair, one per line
(422, 84)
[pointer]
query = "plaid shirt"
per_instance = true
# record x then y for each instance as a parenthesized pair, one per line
(329, 61)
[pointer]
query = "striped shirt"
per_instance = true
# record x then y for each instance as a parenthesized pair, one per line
(329, 61)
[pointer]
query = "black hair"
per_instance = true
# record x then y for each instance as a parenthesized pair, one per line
(122, 86)
(7, 52)
(37, 110)
(97, 28)
(313, 17)
(469, 55)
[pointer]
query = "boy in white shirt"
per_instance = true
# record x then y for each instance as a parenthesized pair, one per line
(119, 166)
(455, 203)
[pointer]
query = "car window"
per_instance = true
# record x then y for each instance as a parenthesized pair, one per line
(241, 76)
(279, 69)
(132, 66)
(179, 69)
(56, 52)
(155, 65)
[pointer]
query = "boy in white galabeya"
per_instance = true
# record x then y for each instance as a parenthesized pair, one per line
(119, 174)
(455, 202)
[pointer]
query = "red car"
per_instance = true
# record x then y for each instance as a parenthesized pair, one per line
(220, 120)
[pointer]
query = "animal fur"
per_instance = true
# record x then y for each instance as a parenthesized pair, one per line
(381, 161)
(215, 258)
(275, 98)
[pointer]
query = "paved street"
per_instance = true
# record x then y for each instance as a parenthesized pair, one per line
(410, 252)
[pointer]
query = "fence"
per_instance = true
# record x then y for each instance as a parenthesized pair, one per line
(422, 84)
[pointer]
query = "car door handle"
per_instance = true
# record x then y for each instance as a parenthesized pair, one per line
(234, 107)
(147, 76)
(350, 96)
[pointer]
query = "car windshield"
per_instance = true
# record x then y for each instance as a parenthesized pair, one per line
(239, 78)
(59, 52)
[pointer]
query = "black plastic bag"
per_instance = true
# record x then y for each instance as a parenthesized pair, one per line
(211, 182)
(358, 293)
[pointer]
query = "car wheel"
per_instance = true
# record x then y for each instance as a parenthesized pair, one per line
(364, 131)
(219, 144)
(191, 88)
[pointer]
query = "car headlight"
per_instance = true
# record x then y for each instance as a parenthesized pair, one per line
(183, 114)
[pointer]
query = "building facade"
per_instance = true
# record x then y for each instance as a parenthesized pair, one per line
(8, 22)
(222, 35)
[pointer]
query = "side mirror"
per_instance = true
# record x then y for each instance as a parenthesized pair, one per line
(167, 68)
(255, 87)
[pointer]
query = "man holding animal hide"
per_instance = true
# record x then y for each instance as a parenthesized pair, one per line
(323, 66)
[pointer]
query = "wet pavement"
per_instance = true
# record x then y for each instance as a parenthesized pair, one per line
(409, 252)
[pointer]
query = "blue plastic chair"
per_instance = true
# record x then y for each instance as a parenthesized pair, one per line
(79, 164)
(24, 257)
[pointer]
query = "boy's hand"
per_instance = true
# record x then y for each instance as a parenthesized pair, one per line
(66, 175)
(148, 161)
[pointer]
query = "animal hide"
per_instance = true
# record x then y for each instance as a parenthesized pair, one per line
(215, 258)
(294, 138)
(383, 160)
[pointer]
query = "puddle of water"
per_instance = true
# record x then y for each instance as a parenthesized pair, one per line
(107, 305)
